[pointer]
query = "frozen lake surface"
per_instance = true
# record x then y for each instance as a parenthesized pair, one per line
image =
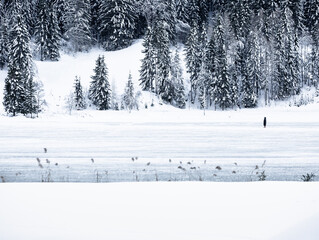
(167, 145)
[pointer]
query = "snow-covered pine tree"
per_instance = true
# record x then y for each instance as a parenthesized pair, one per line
(222, 84)
(4, 38)
(129, 99)
(147, 72)
(117, 26)
(42, 29)
(249, 74)
(181, 12)
(79, 100)
(193, 59)
(240, 14)
(100, 92)
(193, 14)
(30, 104)
(280, 78)
(54, 36)
(178, 82)
(61, 14)
(95, 22)
(204, 76)
(47, 33)
(20, 67)
(162, 45)
(78, 31)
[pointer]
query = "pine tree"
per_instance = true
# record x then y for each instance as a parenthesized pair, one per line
(62, 8)
(30, 104)
(100, 91)
(47, 33)
(117, 26)
(240, 14)
(54, 36)
(78, 25)
(162, 44)
(193, 59)
(222, 82)
(249, 81)
(18, 83)
(148, 72)
(42, 29)
(95, 21)
(79, 100)
(181, 6)
(129, 99)
(177, 82)
(204, 77)
(4, 38)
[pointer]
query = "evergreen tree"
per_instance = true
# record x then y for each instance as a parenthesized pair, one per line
(204, 77)
(148, 72)
(129, 99)
(240, 14)
(181, 7)
(100, 91)
(117, 20)
(161, 42)
(250, 74)
(95, 20)
(222, 82)
(18, 84)
(4, 38)
(47, 32)
(78, 25)
(42, 29)
(79, 100)
(193, 59)
(30, 104)
(177, 82)
(62, 8)
(54, 36)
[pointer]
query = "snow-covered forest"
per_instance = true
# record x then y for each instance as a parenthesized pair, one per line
(238, 53)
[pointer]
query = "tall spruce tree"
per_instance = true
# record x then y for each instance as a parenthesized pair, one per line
(100, 92)
(4, 38)
(148, 71)
(222, 82)
(18, 83)
(193, 59)
(78, 31)
(162, 44)
(117, 23)
(42, 29)
(47, 32)
(177, 82)
(54, 36)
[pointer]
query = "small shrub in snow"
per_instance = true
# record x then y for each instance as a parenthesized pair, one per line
(308, 177)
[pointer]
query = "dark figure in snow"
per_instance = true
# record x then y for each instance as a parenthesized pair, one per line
(265, 122)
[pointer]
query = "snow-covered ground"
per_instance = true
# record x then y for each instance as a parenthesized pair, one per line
(170, 211)
(169, 144)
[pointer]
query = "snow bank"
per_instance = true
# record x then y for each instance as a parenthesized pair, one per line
(160, 211)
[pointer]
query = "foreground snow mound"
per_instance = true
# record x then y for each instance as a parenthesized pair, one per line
(170, 211)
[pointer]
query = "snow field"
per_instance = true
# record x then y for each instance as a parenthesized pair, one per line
(111, 138)
(188, 210)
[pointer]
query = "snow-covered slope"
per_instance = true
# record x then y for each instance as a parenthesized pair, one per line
(58, 77)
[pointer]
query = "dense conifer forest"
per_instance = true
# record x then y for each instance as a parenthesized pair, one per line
(237, 52)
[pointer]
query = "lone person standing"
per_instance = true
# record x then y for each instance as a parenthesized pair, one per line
(265, 122)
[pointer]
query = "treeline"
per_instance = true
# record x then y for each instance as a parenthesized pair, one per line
(238, 52)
